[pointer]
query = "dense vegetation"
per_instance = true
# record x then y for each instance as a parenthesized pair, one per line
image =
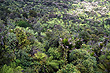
(54, 36)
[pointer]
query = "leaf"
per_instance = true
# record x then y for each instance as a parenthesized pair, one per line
(108, 57)
(54, 64)
(101, 66)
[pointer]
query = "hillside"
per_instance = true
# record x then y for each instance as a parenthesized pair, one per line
(54, 36)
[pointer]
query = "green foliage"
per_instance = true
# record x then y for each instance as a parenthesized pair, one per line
(39, 46)
(54, 52)
(21, 37)
(52, 39)
(40, 56)
(97, 49)
(69, 68)
(8, 69)
(25, 15)
(78, 44)
(44, 63)
(85, 36)
(54, 21)
(83, 61)
(108, 45)
(94, 37)
(7, 44)
(32, 13)
(11, 40)
(64, 47)
(23, 59)
(10, 43)
(54, 36)
(47, 66)
(66, 43)
(23, 23)
(7, 55)
(104, 62)
(3, 32)
(4, 12)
